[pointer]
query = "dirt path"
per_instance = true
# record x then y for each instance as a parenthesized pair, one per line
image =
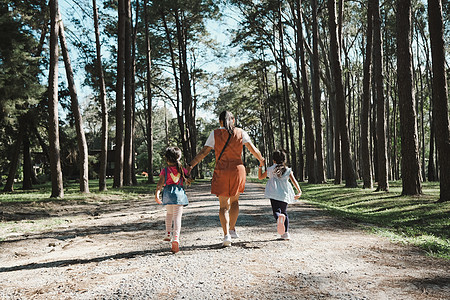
(114, 250)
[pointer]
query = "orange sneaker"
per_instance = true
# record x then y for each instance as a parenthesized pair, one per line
(175, 246)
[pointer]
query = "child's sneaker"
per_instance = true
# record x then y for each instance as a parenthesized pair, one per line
(175, 246)
(280, 224)
(286, 236)
(227, 241)
(234, 234)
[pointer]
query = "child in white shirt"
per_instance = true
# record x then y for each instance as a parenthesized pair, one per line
(280, 191)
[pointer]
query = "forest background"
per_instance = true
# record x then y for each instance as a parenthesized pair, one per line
(354, 91)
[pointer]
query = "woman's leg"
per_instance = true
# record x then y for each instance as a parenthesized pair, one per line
(229, 212)
(224, 214)
(234, 211)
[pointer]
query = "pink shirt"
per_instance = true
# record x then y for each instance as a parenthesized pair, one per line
(173, 177)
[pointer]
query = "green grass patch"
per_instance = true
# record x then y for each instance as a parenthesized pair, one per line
(42, 192)
(418, 220)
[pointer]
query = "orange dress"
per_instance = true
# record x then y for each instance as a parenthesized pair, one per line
(229, 174)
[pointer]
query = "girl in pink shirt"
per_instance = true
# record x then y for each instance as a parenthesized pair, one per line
(174, 197)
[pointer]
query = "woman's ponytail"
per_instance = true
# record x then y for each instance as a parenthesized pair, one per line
(227, 119)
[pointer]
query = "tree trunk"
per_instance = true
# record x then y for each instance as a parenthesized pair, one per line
(300, 63)
(411, 176)
(148, 64)
(14, 163)
(133, 94)
(365, 153)
(103, 103)
(373, 131)
(175, 102)
(307, 116)
(27, 167)
(286, 97)
(81, 138)
(337, 141)
(440, 100)
(268, 109)
(431, 166)
(320, 170)
(395, 135)
(119, 156)
(349, 171)
(53, 121)
(333, 167)
(185, 83)
(278, 108)
(383, 184)
(128, 142)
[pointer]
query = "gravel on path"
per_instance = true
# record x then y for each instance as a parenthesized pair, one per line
(116, 252)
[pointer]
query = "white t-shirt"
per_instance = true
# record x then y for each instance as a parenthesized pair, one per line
(210, 142)
(279, 188)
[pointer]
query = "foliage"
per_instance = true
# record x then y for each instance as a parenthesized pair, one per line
(20, 71)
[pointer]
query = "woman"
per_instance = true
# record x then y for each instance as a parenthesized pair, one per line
(228, 180)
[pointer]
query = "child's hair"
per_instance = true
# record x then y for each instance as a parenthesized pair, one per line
(173, 155)
(227, 118)
(279, 156)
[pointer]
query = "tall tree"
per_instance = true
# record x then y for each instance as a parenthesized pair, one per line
(148, 64)
(128, 142)
(27, 167)
(383, 184)
(365, 153)
(316, 94)
(119, 156)
(440, 100)
(53, 122)
(81, 138)
(307, 112)
(411, 176)
(300, 69)
(14, 161)
(103, 103)
(21, 24)
(336, 67)
(287, 104)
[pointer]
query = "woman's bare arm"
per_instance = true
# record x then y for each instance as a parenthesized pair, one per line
(253, 150)
(261, 175)
(199, 157)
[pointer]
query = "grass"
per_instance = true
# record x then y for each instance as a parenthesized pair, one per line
(417, 220)
(42, 192)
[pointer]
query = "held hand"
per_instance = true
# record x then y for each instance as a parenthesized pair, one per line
(261, 162)
(189, 169)
(189, 180)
